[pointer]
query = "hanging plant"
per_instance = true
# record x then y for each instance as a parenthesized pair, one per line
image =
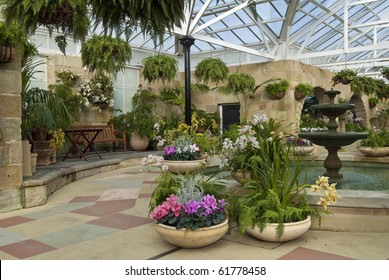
(373, 101)
(159, 67)
(68, 17)
(105, 53)
(364, 85)
(302, 90)
(344, 77)
(211, 70)
(277, 90)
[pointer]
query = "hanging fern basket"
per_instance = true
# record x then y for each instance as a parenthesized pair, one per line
(56, 15)
(7, 53)
(159, 67)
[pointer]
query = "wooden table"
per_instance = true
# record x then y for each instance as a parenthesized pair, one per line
(76, 135)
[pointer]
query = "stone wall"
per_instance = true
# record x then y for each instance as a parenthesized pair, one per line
(287, 109)
(11, 171)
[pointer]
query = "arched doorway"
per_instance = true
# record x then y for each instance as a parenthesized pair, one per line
(359, 110)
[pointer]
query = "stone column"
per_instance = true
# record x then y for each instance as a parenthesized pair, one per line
(11, 171)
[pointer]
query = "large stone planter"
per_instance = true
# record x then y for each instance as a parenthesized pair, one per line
(46, 154)
(374, 152)
(186, 238)
(138, 143)
(291, 231)
(184, 166)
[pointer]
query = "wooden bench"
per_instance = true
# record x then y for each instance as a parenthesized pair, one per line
(107, 135)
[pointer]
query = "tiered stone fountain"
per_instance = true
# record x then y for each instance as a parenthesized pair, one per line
(333, 140)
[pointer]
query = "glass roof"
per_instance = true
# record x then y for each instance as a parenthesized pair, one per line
(328, 33)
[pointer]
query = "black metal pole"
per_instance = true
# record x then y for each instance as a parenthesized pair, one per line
(187, 42)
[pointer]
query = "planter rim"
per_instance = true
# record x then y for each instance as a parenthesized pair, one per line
(199, 229)
(293, 223)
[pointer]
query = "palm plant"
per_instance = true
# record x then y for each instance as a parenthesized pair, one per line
(40, 108)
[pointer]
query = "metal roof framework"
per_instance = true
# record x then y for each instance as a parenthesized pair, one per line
(327, 33)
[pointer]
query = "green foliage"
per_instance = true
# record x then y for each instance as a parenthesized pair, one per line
(153, 17)
(344, 76)
(275, 195)
(67, 17)
(382, 92)
(305, 89)
(364, 85)
(308, 121)
(275, 88)
(377, 138)
(105, 53)
(373, 101)
(159, 67)
(141, 119)
(239, 83)
(211, 70)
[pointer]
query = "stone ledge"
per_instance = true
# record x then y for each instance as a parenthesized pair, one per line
(35, 192)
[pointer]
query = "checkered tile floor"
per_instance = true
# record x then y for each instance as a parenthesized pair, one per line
(106, 217)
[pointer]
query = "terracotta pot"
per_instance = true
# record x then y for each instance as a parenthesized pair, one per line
(374, 151)
(138, 143)
(345, 81)
(184, 166)
(277, 95)
(186, 238)
(7, 53)
(298, 95)
(291, 231)
(201, 129)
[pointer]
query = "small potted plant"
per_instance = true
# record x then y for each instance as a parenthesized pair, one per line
(385, 72)
(10, 37)
(344, 77)
(277, 90)
(302, 90)
(376, 144)
(183, 155)
(188, 209)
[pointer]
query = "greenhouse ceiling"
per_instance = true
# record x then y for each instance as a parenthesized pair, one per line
(327, 33)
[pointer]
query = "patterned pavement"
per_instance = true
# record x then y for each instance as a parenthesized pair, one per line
(106, 217)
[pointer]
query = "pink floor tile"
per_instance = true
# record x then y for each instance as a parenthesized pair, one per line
(103, 208)
(84, 199)
(301, 253)
(26, 249)
(121, 221)
(13, 221)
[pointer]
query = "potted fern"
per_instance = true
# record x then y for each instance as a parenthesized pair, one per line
(277, 90)
(105, 54)
(302, 90)
(159, 67)
(274, 201)
(211, 70)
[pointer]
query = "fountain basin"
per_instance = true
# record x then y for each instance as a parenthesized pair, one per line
(333, 109)
(337, 139)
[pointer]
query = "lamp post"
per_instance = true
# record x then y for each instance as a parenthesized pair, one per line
(187, 42)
